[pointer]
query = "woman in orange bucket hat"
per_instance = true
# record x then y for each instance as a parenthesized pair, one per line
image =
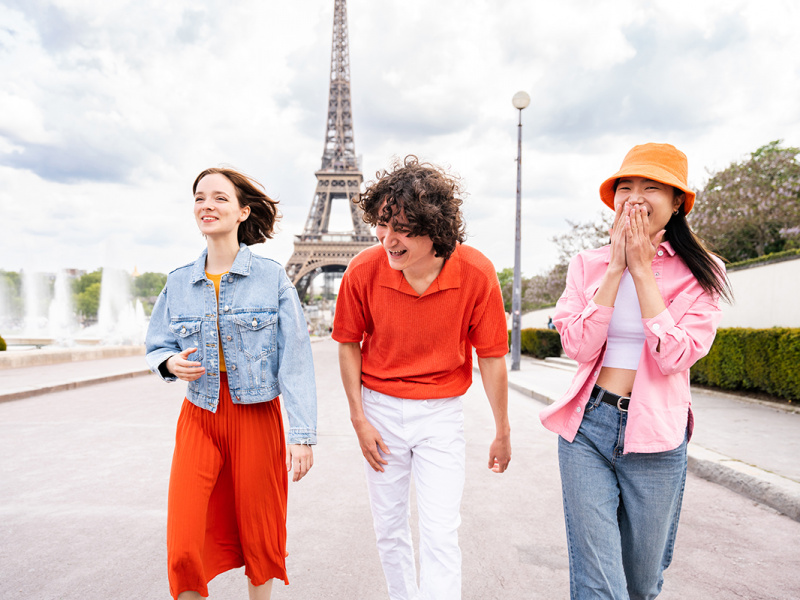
(636, 315)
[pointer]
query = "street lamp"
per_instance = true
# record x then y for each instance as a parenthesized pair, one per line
(520, 102)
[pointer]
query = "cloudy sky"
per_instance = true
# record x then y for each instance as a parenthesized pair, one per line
(109, 109)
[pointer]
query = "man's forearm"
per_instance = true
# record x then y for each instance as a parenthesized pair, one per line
(495, 384)
(350, 368)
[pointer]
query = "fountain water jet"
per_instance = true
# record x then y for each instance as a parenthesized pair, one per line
(61, 317)
(33, 290)
(119, 320)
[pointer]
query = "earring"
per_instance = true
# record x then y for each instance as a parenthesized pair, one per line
(675, 212)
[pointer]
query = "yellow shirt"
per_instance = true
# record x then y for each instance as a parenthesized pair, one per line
(216, 279)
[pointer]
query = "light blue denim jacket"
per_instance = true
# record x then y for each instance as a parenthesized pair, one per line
(264, 337)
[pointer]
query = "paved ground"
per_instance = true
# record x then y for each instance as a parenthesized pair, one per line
(83, 478)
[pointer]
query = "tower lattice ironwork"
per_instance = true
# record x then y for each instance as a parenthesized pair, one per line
(318, 249)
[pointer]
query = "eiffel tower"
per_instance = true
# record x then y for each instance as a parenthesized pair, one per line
(318, 250)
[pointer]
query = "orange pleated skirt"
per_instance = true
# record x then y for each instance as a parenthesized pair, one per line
(227, 494)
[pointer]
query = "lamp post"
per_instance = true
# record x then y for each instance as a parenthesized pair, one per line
(520, 102)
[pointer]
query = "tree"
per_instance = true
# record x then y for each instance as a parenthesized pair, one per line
(506, 277)
(147, 287)
(88, 301)
(79, 284)
(86, 294)
(752, 207)
(11, 294)
(545, 289)
(582, 236)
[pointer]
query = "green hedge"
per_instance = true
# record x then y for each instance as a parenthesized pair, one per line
(763, 360)
(539, 343)
(2, 344)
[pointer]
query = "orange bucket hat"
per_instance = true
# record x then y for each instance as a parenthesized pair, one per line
(659, 162)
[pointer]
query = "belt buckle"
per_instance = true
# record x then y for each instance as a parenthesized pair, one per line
(619, 403)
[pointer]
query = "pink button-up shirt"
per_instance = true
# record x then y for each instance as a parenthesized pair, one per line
(660, 406)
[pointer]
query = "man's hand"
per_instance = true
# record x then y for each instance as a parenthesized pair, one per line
(301, 457)
(183, 368)
(371, 444)
(500, 454)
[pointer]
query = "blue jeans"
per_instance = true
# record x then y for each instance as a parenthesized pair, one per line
(621, 510)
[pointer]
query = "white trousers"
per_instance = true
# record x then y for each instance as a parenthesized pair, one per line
(426, 438)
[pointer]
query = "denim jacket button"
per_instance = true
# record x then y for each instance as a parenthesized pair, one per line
(227, 337)
(227, 308)
(255, 323)
(233, 367)
(230, 279)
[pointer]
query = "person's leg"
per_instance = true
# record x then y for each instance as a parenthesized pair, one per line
(196, 464)
(259, 592)
(389, 496)
(257, 455)
(438, 462)
(591, 501)
(652, 490)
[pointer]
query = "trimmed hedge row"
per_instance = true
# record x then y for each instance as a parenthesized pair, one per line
(764, 360)
(2, 344)
(539, 343)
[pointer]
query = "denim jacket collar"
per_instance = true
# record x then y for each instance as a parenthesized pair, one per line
(241, 265)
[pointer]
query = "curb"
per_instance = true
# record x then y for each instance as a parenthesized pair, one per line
(775, 491)
(28, 392)
(759, 485)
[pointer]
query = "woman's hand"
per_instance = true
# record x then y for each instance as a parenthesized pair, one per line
(299, 457)
(617, 260)
(639, 248)
(183, 368)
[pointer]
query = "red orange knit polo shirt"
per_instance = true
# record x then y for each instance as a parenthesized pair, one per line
(416, 346)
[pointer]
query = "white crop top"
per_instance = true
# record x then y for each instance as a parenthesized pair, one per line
(625, 331)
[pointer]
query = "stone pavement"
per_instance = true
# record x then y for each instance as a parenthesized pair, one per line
(747, 445)
(84, 486)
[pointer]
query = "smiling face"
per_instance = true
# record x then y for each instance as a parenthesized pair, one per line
(216, 207)
(406, 252)
(659, 199)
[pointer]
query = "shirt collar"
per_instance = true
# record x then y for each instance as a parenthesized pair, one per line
(449, 277)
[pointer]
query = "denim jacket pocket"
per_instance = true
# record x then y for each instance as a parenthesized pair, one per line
(189, 335)
(256, 333)
(256, 338)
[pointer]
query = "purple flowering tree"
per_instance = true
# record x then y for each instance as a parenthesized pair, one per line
(752, 207)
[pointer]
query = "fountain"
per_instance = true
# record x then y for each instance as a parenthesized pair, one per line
(119, 320)
(34, 292)
(50, 319)
(61, 323)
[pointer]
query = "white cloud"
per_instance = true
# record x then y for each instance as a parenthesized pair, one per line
(110, 108)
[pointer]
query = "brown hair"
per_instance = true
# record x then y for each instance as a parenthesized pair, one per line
(428, 196)
(259, 225)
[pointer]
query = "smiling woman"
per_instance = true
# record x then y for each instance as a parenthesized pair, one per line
(231, 325)
(635, 315)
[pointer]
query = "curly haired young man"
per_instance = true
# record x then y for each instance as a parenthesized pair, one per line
(409, 313)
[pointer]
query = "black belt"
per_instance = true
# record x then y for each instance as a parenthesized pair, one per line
(621, 402)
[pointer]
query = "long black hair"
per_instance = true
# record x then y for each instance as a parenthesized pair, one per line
(710, 273)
